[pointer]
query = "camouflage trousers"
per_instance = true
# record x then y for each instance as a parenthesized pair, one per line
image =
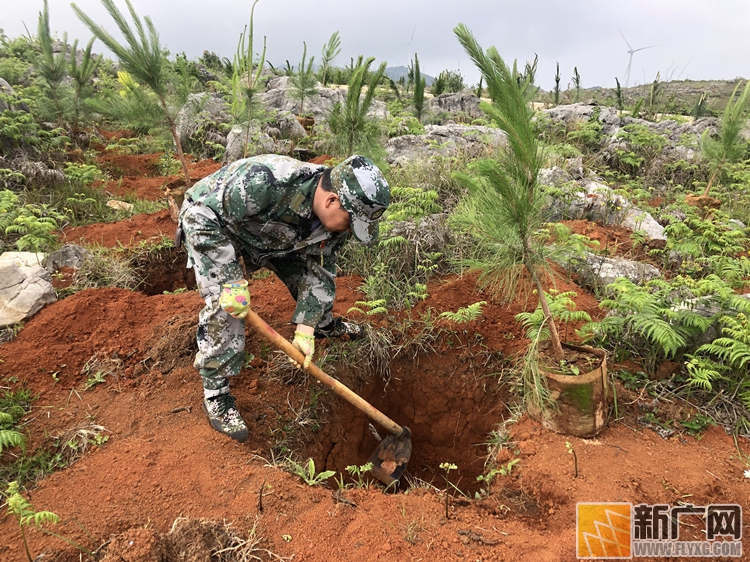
(220, 336)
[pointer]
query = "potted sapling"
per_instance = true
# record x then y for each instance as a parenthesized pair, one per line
(505, 213)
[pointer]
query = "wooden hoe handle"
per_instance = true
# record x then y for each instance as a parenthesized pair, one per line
(342, 390)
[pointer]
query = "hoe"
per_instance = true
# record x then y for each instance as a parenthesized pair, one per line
(391, 456)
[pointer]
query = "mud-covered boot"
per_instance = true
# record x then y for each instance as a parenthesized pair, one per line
(224, 417)
(337, 328)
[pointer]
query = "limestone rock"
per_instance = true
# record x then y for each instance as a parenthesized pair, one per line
(458, 102)
(70, 255)
(277, 97)
(25, 287)
(197, 111)
(596, 201)
(599, 271)
(120, 205)
(444, 140)
(259, 142)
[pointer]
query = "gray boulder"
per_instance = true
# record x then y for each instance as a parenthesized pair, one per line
(569, 114)
(70, 255)
(430, 233)
(6, 90)
(597, 272)
(25, 287)
(554, 177)
(259, 142)
(596, 201)
(445, 140)
(200, 109)
(458, 102)
(277, 96)
(288, 126)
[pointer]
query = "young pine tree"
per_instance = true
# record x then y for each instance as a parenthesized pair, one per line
(142, 57)
(330, 51)
(53, 69)
(304, 81)
(246, 75)
(81, 75)
(506, 201)
(419, 85)
(349, 122)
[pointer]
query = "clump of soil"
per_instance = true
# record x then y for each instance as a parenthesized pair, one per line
(174, 344)
(128, 232)
(189, 540)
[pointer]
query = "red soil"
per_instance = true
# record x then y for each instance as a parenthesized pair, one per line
(129, 232)
(163, 461)
(159, 465)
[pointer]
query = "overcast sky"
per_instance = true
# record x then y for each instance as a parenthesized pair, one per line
(695, 39)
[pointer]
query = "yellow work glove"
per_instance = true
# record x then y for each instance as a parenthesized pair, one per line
(306, 344)
(235, 298)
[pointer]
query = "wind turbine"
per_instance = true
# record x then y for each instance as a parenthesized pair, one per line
(631, 51)
(409, 43)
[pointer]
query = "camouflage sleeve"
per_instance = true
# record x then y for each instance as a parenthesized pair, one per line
(317, 287)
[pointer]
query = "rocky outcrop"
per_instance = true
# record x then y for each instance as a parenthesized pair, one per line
(444, 140)
(589, 199)
(611, 122)
(259, 142)
(200, 110)
(25, 287)
(596, 271)
(320, 106)
(459, 102)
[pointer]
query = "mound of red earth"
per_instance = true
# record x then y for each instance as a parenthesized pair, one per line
(162, 461)
(165, 486)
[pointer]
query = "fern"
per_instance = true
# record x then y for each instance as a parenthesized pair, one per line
(725, 359)
(375, 307)
(561, 306)
(412, 203)
(23, 511)
(10, 438)
(663, 313)
(8, 210)
(465, 314)
(35, 224)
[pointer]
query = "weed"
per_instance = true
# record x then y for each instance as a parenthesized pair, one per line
(104, 268)
(307, 472)
(447, 467)
(411, 528)
(358, 472)
(572, 451)
(98, 366)
(697, 425)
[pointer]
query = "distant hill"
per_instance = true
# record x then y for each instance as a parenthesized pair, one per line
(396, 72)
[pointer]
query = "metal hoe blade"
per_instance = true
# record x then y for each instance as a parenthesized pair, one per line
(391, 457)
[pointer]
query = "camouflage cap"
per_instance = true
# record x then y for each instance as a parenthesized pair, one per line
(364, 193)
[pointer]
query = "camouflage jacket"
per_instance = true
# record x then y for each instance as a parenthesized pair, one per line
(263, 208)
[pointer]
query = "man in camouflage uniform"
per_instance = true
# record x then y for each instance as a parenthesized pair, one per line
(290, 217)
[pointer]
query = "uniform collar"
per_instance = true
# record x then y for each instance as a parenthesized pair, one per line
(301, 203)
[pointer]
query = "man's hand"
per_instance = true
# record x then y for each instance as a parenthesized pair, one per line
(235, 298)
(306, 344)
